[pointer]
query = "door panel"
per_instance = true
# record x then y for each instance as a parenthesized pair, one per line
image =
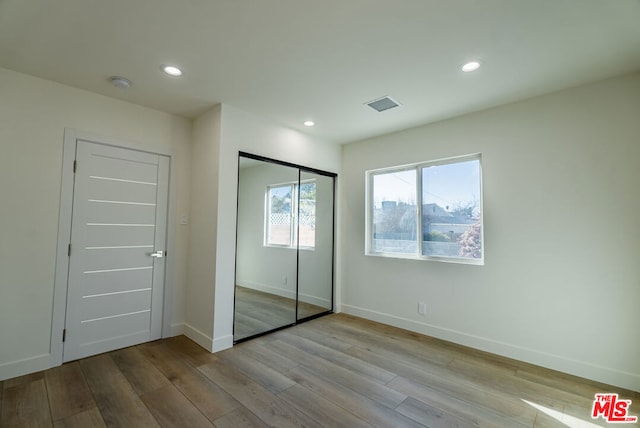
(101, 189)
(115, 288)
(99, 306)
(135, 169)
(111, 236)
(137, 324)
(111, 258)
(116, 281)
(121, 213)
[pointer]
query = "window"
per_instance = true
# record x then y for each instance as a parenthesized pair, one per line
(431, 210)
(290, 215)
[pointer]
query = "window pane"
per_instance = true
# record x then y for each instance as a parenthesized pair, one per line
(451, 217)
(307, 220)
(395, 212)
(279, 221)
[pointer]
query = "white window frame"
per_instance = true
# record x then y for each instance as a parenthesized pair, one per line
(295, 188)
(370, 206)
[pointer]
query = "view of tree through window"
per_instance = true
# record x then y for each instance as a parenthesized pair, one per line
(450, 207)
(446, 195)
(283, 211)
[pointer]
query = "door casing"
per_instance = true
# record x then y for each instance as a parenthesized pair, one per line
(71, 136)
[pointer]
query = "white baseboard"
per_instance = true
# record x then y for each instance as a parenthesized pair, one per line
(555, 362)
(199, 337)
(24, 366)
(222, 343)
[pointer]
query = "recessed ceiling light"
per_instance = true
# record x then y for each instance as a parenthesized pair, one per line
(172, 70)
(471, 66)
(309, 123)
(120, 82)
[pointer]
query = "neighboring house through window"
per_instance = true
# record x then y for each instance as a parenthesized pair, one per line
(430, 210)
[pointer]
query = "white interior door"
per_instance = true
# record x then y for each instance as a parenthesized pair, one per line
(118, 235)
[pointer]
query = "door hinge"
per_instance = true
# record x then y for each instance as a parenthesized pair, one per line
(75, 166)
(64, 334)
(69, 251)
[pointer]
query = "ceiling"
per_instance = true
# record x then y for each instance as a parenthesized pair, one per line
(293, 60)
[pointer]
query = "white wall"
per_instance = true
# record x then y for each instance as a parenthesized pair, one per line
(33, 116)
(242, 131)
(561, 283)
(202, 238)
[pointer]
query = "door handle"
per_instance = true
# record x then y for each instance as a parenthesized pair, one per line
(158, 254)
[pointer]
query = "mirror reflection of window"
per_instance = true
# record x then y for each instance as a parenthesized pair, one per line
(290, 215)
(307, 215)
(279, 215)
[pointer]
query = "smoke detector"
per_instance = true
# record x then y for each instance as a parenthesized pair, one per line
(120, 82)
(382, 104)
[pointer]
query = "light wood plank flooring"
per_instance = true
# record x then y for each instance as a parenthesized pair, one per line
(257, 312)
(333, 371)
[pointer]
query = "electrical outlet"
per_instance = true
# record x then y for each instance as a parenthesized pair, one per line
(422, 308)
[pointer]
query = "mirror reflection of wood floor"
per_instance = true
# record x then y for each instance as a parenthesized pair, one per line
(257, 312)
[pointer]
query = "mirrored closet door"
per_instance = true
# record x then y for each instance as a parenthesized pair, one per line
(285, 245)
(315, 258)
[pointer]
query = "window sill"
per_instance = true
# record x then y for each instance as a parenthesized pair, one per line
(456, 260)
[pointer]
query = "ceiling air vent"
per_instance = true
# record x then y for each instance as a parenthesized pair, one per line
(382, 104)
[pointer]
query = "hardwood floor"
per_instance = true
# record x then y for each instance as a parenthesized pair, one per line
(333, 371)
(257, 312)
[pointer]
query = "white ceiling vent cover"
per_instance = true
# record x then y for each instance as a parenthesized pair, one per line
(382, 104)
